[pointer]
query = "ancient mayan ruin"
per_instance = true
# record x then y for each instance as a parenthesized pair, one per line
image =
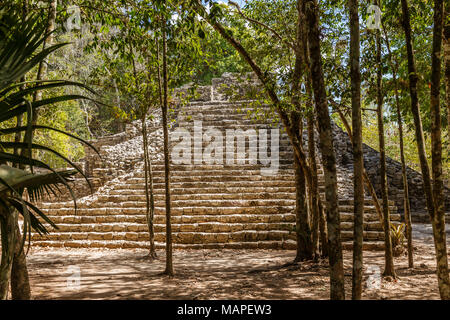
(214, 205)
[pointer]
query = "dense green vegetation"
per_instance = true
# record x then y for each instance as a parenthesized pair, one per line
(98, 63)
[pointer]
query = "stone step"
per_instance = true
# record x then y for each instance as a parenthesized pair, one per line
(247, 131)
(178, 237)
(126, 244)
(204, 179)
(61, 211)
(202, 226)
(222, 110)
(191, 188)
(140, 218)
(212, 184)
(367, 209)
(368, 216)
(194, 237)
(113, 215)
(54, 210)
(368, 245)
(215, 168)
(191, 224)
(254, 192)
(159, 166)
(186, 197)
(199, 171)
(140, 196)
(367, 201)
(198, 204)
(222, 124)
(176, 227)
(230, 118)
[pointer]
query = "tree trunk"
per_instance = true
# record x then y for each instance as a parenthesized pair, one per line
(313, 186)
(169, 263)
(388, 256)
(8, 223)
(304, 242)
(436, 221)
(436, 153)
(20, 284)
(19, 118)
(314, 192)
(149, 195)
(337, 288)
(406, 204)
(42, 68)
(303, 229)
(325, 251)
(367, 182)
(358, 159)
(447, 84)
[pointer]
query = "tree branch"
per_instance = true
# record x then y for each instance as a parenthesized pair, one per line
(275, 33)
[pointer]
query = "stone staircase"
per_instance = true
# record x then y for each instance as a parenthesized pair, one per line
(213, 205)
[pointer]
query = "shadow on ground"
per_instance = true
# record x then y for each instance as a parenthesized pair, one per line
(217, 274)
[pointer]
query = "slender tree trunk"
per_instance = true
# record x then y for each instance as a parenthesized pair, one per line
(367, 182)
(436, 221)
(325, 251)
(447, 83)
(436, 152)
(337, 288)
(149, 194)
(358, 160)
(20, 285)
(8, 223)
(373, 195)
(42, 68)
(304, 243)
(169, 263)
(294, 125)
(406, 204)
(19, 118)
(314, 192)
(313, 186)
(388, 256)
(303, 229)
(18, 136)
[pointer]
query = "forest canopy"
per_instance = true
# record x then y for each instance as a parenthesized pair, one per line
(102, 54)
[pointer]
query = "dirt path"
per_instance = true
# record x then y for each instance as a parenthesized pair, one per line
(218, 274)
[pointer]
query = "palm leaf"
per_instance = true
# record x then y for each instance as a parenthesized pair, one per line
(20, 43)
(23, 128)
(34, 146)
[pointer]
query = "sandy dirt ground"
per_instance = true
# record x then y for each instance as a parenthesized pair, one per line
(221, 274)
